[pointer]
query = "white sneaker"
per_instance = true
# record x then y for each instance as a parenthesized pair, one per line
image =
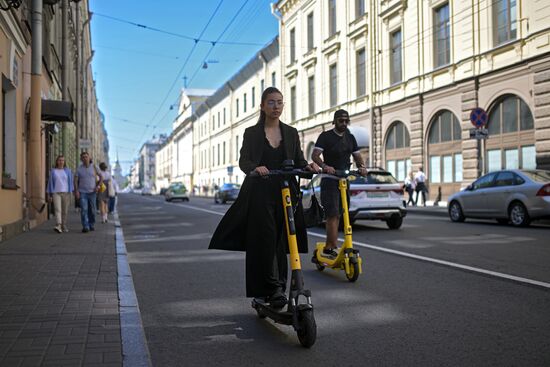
(57, 228)
(65, 229)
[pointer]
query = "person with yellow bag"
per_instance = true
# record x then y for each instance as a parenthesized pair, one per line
(103, 193)
(87, 184)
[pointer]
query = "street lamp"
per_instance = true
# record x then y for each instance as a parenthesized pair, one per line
(10, 4)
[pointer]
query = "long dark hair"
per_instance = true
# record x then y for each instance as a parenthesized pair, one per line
(267, 91)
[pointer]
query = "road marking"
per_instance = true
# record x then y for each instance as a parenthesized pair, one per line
(422, 258)
(446, 263)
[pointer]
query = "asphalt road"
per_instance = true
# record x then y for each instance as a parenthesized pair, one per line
(417, 306)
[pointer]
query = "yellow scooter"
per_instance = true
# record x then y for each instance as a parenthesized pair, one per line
(299, 312)
(348, 258)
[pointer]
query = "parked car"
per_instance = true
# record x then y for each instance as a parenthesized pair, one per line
(515, 196)
(227, 192)
(163, 191)
(378, 196)
(176, 191)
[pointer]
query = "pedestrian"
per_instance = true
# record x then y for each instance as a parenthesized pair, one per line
(103, 195)
(409, 186)
(60, 187)
(255, 221)
(87, 183)
(421, 188)
(336, 146)
(113, 192)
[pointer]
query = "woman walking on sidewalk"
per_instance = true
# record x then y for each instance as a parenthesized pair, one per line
(60, 187)
(103, 196)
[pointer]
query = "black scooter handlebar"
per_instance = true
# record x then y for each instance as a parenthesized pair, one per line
(302, 173)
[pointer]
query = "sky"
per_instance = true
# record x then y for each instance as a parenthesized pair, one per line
(145, 49)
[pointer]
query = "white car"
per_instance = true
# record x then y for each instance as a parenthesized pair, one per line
(378, 196)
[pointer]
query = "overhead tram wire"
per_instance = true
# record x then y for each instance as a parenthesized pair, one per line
(183, 66)
(215, 42)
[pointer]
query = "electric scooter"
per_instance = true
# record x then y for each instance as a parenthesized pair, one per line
(299, 311)
(348, 258)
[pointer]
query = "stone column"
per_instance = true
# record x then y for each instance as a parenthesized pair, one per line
(471, 165)
(542, 113)
(416, 133)
(377, 138)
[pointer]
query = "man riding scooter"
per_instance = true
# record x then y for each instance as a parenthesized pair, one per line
(336, 146)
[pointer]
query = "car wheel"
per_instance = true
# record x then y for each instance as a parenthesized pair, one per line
(518, 215)
(502, 221)
(455, 212)
(395, 221)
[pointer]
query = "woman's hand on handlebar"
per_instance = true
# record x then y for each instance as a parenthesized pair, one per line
(261, 170)
(362, 171)
(328, 169)
(313, 167)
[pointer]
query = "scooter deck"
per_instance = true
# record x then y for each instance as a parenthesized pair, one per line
(279, 316)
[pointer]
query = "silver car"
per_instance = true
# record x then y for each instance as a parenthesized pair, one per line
(516, 196)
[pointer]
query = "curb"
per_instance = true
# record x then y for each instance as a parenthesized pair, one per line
(135, 351)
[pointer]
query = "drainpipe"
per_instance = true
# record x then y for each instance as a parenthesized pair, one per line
(78, 117)
(64, 67)
(373, 51)
(36, 196)
(84, 73)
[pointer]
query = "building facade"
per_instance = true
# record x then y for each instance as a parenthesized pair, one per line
(411, 73)
(26, 158)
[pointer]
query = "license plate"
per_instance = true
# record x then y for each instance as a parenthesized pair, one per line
(376, 195)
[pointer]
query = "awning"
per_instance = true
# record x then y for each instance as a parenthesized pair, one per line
(61, 111)
(361, 135)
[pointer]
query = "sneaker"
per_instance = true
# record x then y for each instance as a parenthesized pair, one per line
(92, 228)
(85, 230)
(57, 228)
(330, 252)
(65, 229)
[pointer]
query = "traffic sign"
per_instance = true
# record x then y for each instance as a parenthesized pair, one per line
(478, 117)
(479, 134)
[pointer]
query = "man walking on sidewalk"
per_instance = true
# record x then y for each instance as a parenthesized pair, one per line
(87, 184)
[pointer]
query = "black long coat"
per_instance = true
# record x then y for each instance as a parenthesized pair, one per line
(231, 231)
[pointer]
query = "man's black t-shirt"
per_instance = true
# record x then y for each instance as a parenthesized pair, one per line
(337, 149)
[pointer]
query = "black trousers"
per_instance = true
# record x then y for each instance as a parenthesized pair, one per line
(266, 258)
(421, 188)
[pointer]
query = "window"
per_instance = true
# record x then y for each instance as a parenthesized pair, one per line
(398, 137)
(311, 94)
(505, 20)
(310, 29)
(510, 115)
(292, 104)
(442, 39)
(494, 162)
(253, 96)
(244, 103)
(360, 72)
(237, 109)
(213, 123)
(445, 127)
(484, 182)
(331, 17)
(224, 115)
(219, 119)
(236, 147)
(528, 156)
(218, 154)
(435, 169)
(262, 86)
(395, 66)
(273, 79)
(458, 167)
(9, 130)
(359, 8)
(506, 179)
(292, 45)
(224, 152)
(333, 79)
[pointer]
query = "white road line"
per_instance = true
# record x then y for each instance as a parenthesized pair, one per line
(418, 257)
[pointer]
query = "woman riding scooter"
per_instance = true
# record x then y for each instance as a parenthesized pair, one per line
(255, 222)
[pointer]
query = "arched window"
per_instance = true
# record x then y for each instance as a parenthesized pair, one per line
(398, 152)
(511, 141)
(445, 149)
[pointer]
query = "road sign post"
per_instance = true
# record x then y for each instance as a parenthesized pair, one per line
(479, 118)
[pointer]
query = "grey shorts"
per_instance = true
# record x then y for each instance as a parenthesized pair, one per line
(330, 197)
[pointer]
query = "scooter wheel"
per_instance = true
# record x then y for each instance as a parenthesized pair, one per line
(314, 260)
(353, 270)
(307, 333)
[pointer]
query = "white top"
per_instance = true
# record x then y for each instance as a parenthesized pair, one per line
(105, 175)
(408, 181)
(419, 177)
(61, 180)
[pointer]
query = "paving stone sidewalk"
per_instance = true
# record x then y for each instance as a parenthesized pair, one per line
(59, 302)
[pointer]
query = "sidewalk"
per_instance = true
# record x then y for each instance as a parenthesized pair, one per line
(59, 297)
